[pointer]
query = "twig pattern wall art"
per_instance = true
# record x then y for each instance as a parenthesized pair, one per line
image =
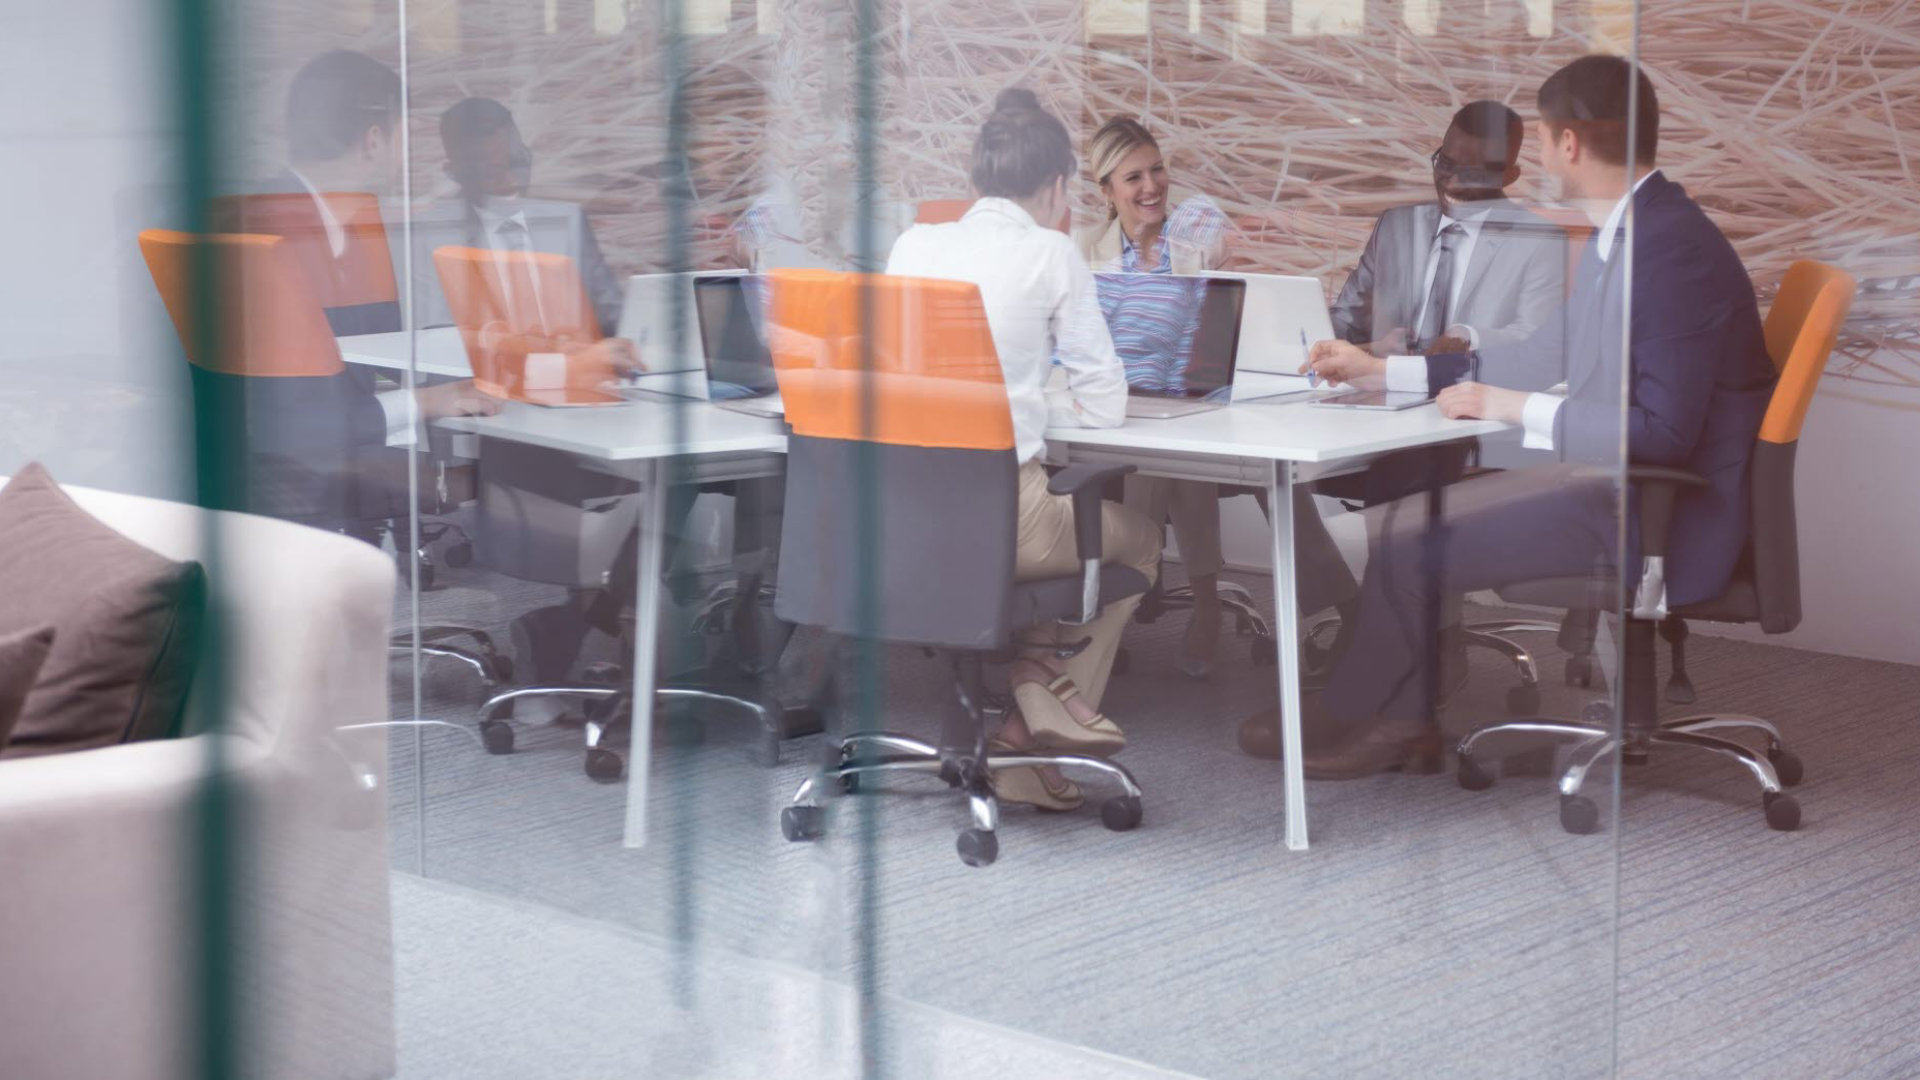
(1789, 119)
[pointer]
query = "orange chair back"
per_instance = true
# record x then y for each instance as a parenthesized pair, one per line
(930, 367)
(266, 320)
(509, 305)
(362, 274)
(1801, 329)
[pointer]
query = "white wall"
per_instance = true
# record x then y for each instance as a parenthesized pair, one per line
(89, 381)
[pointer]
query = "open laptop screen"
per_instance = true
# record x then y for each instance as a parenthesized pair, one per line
(732, 335)
(1177, 335)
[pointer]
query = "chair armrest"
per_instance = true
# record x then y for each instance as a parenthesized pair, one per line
(1084, 483)
(1659, 487)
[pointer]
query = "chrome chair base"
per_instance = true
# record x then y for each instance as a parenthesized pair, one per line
(877, 754)
(604, 712)
(1774, 769)
(1235, 600)
(481, 656)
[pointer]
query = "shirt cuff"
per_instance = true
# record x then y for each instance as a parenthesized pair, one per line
(1537, 416)
(1407, 373)
(1465, 333)
(403, 417)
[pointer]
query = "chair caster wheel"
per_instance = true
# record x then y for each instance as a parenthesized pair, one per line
(497, 735)
(802, 823)
(1578, 814)
(1266, 653)
(850, 783)
(1523, 700)
(1579, 671)
(1787, 766)
(1122, 662)
(1472, 776)
(977, 847)
(458, 555)
(1783, 811)
(1121, 813)
(604, 765)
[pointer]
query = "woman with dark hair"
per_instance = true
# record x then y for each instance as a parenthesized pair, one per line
(1040, 306)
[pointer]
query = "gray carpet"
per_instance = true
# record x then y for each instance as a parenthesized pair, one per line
(1430, 928)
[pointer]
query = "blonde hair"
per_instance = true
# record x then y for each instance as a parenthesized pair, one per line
(1116, 138)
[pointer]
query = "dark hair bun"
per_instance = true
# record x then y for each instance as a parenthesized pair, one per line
(1016, 99)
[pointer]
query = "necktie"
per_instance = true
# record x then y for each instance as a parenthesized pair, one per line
(1433, 317)
(522, 300)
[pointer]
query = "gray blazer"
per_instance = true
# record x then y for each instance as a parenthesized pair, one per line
(560, 228)
(1515, 283)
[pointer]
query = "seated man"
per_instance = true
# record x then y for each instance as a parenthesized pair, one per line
(1699, 383)
(493, 167)
(1471, 267)
(318, 446)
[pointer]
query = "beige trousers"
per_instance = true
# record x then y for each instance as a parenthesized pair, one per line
(1194, 507)
(1044, 547)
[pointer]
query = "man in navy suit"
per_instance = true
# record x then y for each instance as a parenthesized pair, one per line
(1698, 383)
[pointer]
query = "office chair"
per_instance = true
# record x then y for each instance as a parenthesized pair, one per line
(541, 516)
(269, 325)
(1801, 329)
(927, 471)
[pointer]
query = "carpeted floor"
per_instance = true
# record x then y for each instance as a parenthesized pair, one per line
(1430, 930)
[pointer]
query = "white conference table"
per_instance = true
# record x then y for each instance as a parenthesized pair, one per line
(1272, 445)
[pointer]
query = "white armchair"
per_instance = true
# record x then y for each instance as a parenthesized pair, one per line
(102, 861)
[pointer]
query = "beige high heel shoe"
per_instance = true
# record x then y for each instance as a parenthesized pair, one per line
(1028, 785)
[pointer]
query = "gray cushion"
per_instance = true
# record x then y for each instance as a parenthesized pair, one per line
(21, 655)
(124, 620)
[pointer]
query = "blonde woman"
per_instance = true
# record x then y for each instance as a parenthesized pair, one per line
(1143, 236)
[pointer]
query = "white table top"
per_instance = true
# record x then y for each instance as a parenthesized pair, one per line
(1287, 431)
(1282, 431)
(435, 352)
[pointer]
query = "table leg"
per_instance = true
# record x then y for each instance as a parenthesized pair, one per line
(646, 648)
(1286, 626)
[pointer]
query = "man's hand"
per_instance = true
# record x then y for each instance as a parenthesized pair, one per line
(1478, 401)
(1338, 362)
(1446, 344)
(454, 399)
(616, 354)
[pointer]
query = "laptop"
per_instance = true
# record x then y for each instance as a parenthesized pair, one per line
(1282, 319)
(722, 354)
(1194, 321)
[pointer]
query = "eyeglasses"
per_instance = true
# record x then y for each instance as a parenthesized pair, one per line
(1444, 166)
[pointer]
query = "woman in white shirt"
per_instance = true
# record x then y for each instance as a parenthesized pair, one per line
(1040, 304)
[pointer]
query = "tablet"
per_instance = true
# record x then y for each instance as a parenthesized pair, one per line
(1387, 400)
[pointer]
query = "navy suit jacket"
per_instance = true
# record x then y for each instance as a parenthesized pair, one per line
(1699, 378)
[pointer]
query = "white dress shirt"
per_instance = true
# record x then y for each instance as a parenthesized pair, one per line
(402, 411)
(1040, 304)
(1541, 410)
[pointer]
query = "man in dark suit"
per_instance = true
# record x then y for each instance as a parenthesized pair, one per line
(320, 446)
(1471, 266)
(1698, 383)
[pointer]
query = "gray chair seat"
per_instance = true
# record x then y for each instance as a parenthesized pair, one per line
(1587, 593)
(1056, 598)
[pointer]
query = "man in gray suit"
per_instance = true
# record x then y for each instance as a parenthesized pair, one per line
(490, 161)
(1471, 267)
